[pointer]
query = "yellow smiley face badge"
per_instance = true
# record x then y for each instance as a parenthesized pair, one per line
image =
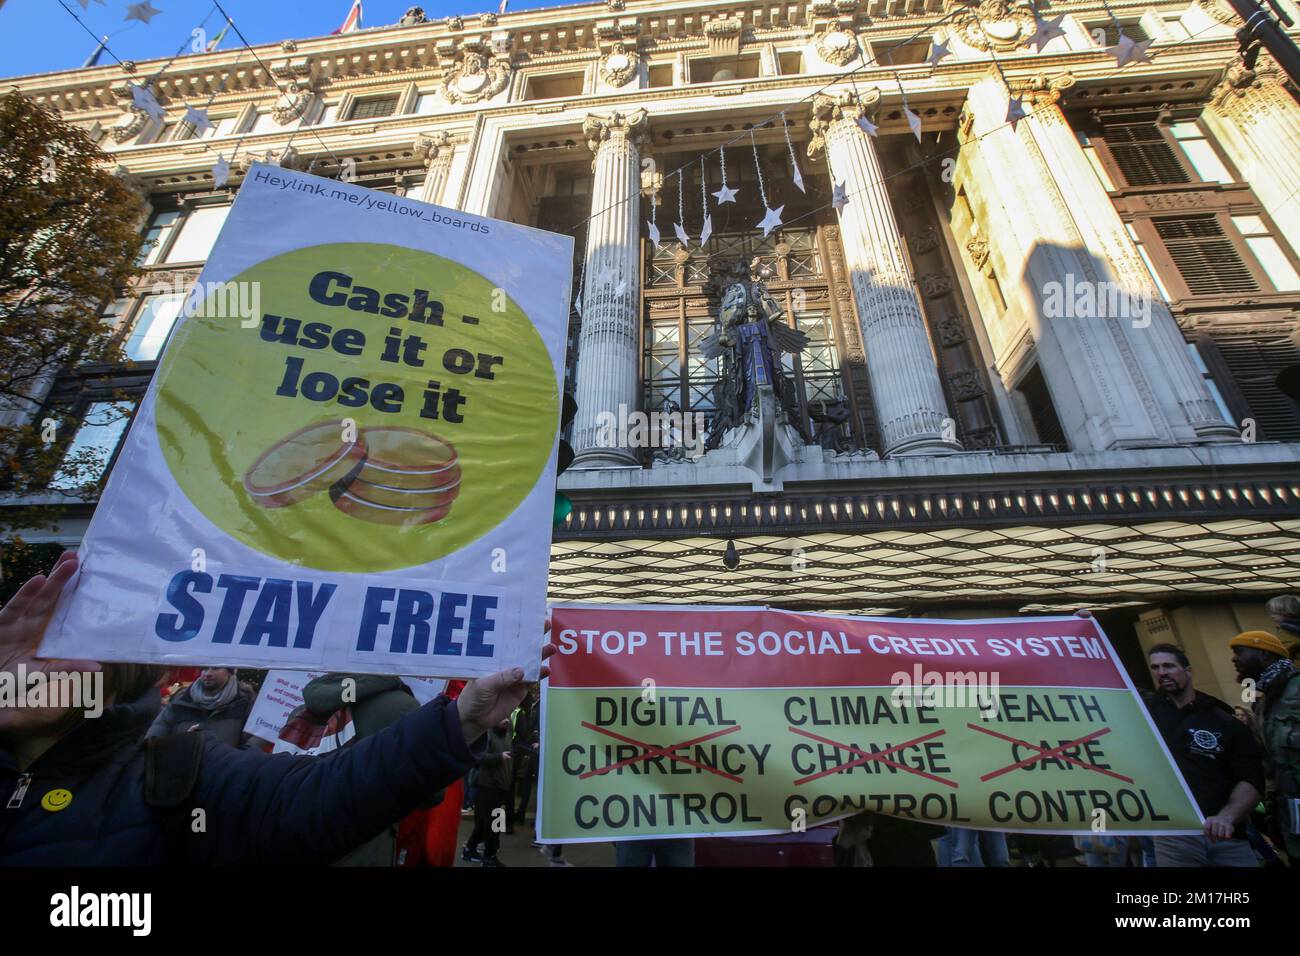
(56, 800)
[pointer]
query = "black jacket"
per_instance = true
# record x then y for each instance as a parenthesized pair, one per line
(1213, 750)
(259, 809)
(224, 723)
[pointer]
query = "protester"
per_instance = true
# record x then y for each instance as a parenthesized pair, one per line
(258, 808)
(1218, 758)
(374, 702)
(217, 703)
(1285, 612)
(1262, 657)
(966, 847)
(525, 749)
(492, 790)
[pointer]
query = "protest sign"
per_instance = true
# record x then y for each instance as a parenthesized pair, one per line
(671, 721)
(346, 459)
(281, 694)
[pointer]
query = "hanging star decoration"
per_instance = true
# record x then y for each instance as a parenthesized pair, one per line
(198, 119)
(937, 52)
(914, 121)
(771, 220)
(706, 230)
(653, 230)
(1126, 51)
(867, 126)
(1046, 32)
(143, 99)
(1015, 111)
(144, 12)
(725, 194)
(220, 171)
(839, 196)
(684, 239)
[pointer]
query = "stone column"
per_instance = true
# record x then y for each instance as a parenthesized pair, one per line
(436, 149)
(609, 343)
(1257, 122)
(1165, 367)
(905, 388)
(1041, 258)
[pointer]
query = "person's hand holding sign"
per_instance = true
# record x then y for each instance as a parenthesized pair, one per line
(489, 700)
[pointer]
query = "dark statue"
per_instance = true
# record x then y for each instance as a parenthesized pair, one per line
(750, 335)
(831, 420)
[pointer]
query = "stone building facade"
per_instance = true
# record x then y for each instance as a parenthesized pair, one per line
(1046, 297)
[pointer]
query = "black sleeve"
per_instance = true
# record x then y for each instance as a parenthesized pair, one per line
(1246, 761)
(283, 809)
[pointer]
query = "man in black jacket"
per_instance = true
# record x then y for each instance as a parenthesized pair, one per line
(75, 788)
(1218, 757)
(217, 703)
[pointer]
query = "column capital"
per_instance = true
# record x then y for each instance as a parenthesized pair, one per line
(429, 146)
(598, 129)
(829, 109)
(1239, 80)
(1041, 89)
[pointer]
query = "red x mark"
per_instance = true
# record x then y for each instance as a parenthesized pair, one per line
(864, 757)
(652, 751)
(1044, 753)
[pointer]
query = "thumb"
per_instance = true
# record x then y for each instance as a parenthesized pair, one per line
(494, 684)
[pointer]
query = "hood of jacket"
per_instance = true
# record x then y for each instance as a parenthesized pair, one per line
(324, 695)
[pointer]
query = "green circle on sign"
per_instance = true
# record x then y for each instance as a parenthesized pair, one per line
(220, 419)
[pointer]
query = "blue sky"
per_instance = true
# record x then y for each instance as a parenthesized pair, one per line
(38, 36)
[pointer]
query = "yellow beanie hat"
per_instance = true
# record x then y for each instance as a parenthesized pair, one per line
(1260, 640)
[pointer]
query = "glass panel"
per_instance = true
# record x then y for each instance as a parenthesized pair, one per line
(160, 227)
(1270, 255)
(1187, 130)
(1250, 225)
(329, 115)
(153, 324)
(1206, 161)
(115, 313)
(90, 450)
(198, 233)
(1210, 384)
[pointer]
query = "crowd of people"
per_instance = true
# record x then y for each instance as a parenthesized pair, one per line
(386, 781)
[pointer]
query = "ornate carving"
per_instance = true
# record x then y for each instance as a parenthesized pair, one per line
(994, 25)
(827, 110)
(936, 284)
(838, 47)
(129, 124)
(128, 66)
(473, 79)
(455, 23)
(1040, 89)
(429, 146)
(952, 331)
(724, 36)
(616, 5)
(292, 103)
(412, 16)
(488, 19)
(925, 240)
(1239, 80)
(289, 46)
(597, 129)
(965, 385)
(1220, 10)
(979, 252)
(619, 66)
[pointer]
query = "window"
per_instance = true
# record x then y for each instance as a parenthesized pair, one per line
(1200, 153)
(893, 53)
(1178, 30)
(1199, 361)
(660, 74)
(723, 68)
(329, 114)
(263, 122)
(1106, 33)
(425, 103)
(1204, 255)
(790, 63)
(156, 236)
(91, 450)
(1144, 155)
(1146, 257)
(221, 126)
(196, 235)
(374, 107)
(1255, 358)
(1039, 402)
(1271, 257)
(1094, 160)
(818, 364)
(153, 324)
(553, 86)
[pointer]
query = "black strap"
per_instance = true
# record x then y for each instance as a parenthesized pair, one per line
(171, 771)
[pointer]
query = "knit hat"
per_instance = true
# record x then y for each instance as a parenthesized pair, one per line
(1260, 640)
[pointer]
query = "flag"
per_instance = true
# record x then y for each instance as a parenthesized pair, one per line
(93, 59)
(216, 40)
(502, 8)
(353, 22)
